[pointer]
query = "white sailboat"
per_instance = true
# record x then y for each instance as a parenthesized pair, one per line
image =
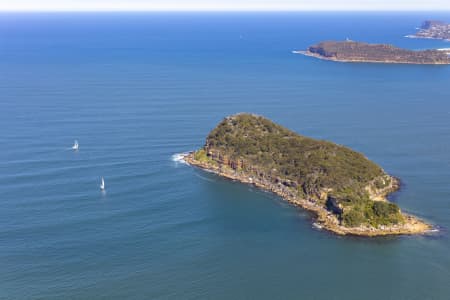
(75, 145)
(102, 184)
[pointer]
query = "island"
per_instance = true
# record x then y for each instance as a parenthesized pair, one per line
(345, 191)
(351, 51)
(431, 29)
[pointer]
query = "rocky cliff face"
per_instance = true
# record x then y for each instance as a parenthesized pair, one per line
(377, 189)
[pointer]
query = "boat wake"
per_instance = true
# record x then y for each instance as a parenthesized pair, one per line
(433, 230)
(317, 225)
(178, 157)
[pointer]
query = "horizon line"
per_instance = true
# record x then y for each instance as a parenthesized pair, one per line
(224, 10)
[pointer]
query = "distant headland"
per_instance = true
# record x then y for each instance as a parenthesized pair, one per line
(345, 190)
(351, 51)
(431, 29)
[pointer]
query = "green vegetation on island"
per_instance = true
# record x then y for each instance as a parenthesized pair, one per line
(330, 175)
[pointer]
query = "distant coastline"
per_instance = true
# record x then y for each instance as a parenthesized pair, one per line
(431, 29)
(414, 36)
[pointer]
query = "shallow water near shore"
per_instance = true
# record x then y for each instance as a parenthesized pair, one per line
(136, 89)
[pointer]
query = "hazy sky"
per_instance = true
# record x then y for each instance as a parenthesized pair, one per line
(72, 5)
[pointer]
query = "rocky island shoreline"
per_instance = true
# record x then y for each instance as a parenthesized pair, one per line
(358, 52)
(344, 206)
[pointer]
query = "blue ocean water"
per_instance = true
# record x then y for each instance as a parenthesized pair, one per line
(137, 88)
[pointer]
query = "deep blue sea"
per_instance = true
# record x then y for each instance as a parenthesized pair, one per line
(134, 89)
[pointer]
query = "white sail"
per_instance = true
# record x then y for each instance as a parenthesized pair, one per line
(102, 185)
(75, 145)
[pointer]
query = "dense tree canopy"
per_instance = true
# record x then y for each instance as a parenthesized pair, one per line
(314, 165)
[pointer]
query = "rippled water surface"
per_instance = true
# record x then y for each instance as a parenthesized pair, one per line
(135, 89)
